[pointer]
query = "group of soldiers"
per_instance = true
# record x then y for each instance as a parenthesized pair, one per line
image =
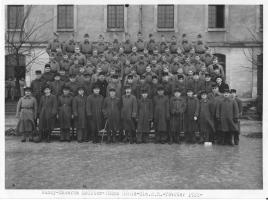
(128, 89)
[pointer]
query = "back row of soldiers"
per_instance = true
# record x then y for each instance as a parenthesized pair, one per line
(144, 66)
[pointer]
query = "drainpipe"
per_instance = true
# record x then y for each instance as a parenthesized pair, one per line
(140, 18)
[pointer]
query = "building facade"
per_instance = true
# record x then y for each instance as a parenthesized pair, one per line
(233, 32)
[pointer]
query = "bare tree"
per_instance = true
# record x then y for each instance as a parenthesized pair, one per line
(25, 36)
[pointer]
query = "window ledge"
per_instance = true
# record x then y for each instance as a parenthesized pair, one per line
(216, 29)
(65, 29)
(115, 30)
(165, 29)
(14, 30)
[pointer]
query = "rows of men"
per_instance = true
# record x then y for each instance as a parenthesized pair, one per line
(150, 70)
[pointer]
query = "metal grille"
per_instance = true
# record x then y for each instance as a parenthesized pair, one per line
(216, 16)
(165, 16)
(65, 17)
(115, 16)
(15, 16)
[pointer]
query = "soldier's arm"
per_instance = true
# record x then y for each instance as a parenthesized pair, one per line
(135, 107)
(55, 105)
(35, 107)
(235, 110)
(151, 110)
(197, 108)
(167, 108)
(18, 107)
(88, 106)
(74, 106)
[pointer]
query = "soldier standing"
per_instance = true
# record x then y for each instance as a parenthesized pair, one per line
(27, 113)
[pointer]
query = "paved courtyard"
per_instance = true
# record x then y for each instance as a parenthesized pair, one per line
(144, 166)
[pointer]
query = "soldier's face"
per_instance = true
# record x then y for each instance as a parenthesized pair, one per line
(112, 93)
(177, 94)
(218, 80)
(128, 91)
(181, 80)
(233, 94)
(76, 62)
(189, 93)
(81, 92)
(38, 76)
(130, 80)
(134, 50)
(142, 81)
(66, 92)
(101, 77)
(196, 77)
(180, 70)
(208, 78)
(121, 50)
(215, 61)
(95, 53)
(165, 78)
(27, 93)
(197, 58)
(57, 78)
(215, 89)
(82, 70)
(139, 36)
(144, 95)
(72, 79)
(145, 51)
(47, 69)
(226, 94)
(62, 72)
(47, 91)
(190, 73)
(148, 69)
(204, 96)
(96, 90)
(160, 92)
(178, 50)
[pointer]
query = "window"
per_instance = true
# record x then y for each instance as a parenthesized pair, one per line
(65, 17)
(259, 74)
(216, 16)
(115, 17)
(261, 17)
(15, 15)
(165, 16)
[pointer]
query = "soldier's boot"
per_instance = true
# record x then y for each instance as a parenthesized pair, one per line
(114, 137)
(139, 138)
(109, 138)
(130, 136)
(48, 137)
(23, 137)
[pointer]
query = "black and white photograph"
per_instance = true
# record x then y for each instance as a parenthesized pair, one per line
(161, 98)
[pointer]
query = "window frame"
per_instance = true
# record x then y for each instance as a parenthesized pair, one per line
(106, 29)
(175, 24)
(260, 17)
(57, 20)
(7, 21)
(226, 14)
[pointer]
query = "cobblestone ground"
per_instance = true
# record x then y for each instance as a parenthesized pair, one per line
(145, 166)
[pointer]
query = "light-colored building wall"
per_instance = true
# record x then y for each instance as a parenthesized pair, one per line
(242, 33)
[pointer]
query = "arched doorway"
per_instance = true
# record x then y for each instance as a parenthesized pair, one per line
(221, 60)
(15, 68)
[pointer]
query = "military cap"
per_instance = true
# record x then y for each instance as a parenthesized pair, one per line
(96, 86)
(130, 76)
(142, 77)
(102, 73)
(38, 72)
(65, 87)
(56, 74)
(115, 76)
(154, 77)
(80, 88)
(144, 90)
(160, 87)
(189, 90)
(72, 75)
(226, 90)
(195, 73)
(203, 92)
(207, 74)
(218, 77)
(180, 76)
(127, 87)
(165, 74)
(27, 89)
(215, 85)
(233, 90)
(112, 89)
(177, 90)
(46, 87)
(47, 65)
(86, 35)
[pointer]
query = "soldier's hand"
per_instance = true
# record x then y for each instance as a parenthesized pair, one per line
(57, 116)
(195, 118)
